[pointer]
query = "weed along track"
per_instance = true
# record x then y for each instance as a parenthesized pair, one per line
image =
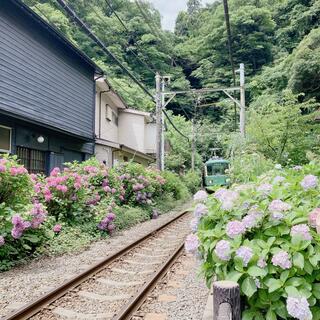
(115, 287)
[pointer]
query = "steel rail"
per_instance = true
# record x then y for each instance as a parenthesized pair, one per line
(32, 308)
(136, 301)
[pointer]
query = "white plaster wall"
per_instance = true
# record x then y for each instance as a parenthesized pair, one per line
(104, 153)
(109, 130)
(150, 138)
(132, 130)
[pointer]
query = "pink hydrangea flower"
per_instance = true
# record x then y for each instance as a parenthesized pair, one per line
(107, 189)
(227, 198)
(298, 308)
(245, 253)
(14, 171)
(309, 182)
(200, 196)
(55, 172)
(2, 241)
(62, 188)
(57, 228)
(77, 185)
(313, 215)
(301, 230)
(2, 168)
(191, 243)
(19, 226)
(282, 260)
(235, 228)
(223, 250)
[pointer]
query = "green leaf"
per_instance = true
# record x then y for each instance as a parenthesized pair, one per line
(234, 276)
(292, 292)
(255, 271)
(273, 284)
(284, 275)
(298, 260)
(248, 314)
(295, 281)
(316, 290)
(248, 287)
(271, 315)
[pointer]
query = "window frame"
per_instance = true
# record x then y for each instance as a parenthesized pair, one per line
(10, 140)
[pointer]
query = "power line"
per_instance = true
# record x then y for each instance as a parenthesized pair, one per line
(153, 29)
(173, 125)
(71, 13)
(152, 68)
(126, 45)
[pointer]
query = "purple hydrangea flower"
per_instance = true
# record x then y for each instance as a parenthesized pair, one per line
(200, 196)
(257, 282)
(297, 168)
(200, 210)
(245, 253)
(191, 243)
(251, 220)
(299, 308)
(309, 182)
(227, 198)
(261, 263)
(194, 224)
(277, 207)
(57, 228)
(235, 228)
(282, 260)
(301, 230)
(19, 226)
(222, 250)
(278, 179)
(265, 188)
(2, 241)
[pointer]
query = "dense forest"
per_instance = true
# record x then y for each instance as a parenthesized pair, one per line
(277, 40)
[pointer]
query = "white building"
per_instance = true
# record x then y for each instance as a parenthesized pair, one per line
(122, 134)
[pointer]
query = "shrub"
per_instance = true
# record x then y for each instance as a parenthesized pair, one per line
(127, 217)
(175, 185)
(21, 221)
(263, 235)
(192, 180)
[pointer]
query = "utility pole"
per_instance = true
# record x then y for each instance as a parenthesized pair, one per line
(162, 122)
(158, 121)
(242, 101)
(193, 145)
(227, 19)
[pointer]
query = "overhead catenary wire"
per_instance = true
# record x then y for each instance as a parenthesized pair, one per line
(71, 13)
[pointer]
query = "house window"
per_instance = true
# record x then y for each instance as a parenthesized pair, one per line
(33, 160)
(5, 139)
(108, 113)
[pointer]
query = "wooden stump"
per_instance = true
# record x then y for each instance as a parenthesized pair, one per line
(226, 292)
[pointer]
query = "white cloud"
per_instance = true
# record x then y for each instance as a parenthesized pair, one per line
(169, 10)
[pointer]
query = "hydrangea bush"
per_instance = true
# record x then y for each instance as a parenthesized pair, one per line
(21, 218)
(265, 236)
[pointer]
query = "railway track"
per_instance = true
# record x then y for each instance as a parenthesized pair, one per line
(116, 287)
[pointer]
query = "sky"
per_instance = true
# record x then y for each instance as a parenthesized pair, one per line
(169, 10)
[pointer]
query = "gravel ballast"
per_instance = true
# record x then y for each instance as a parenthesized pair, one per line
(181, 295)
(27, 282)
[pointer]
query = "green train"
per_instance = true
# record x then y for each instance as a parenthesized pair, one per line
(215, 173)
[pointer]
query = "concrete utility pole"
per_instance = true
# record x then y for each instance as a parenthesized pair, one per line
(242, 101)
(162, 122)
(158, 121)
(193, 145)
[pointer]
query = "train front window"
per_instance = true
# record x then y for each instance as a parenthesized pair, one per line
(217, 168)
